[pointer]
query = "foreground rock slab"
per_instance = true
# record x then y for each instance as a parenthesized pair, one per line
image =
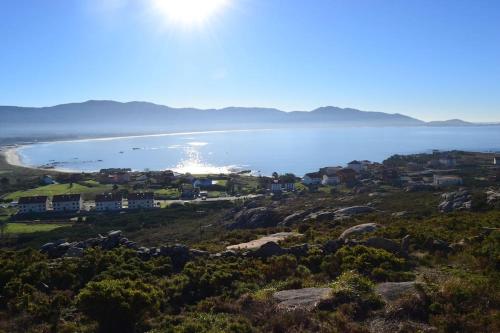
(257, 243)
(306, 299)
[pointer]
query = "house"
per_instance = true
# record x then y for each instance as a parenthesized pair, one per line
(496, 160)
(312, 178)
(276, 187)
(35, 204)
(446, 181)
(202, 182)
(188, 191)
(108, 202)
(330, 171)
(357, 166)
(141, 200)
(67, 202)
(346, 175)
(448, 161)
(289, 187)
(48, 180)
(330, 180)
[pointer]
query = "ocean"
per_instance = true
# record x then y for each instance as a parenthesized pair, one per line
(262, 151)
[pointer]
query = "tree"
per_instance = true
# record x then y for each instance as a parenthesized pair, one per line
(275, 175)
(4, 181)
(118, 305)
(287, 178)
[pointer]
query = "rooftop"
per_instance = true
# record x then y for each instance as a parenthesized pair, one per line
(32, 200)
(66, 197)
(108, 197)
(140, 196)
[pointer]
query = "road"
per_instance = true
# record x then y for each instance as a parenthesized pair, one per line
(198, 200)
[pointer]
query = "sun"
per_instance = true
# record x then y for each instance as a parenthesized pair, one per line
(188, 12)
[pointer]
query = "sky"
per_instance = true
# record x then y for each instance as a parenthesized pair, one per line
(430, 59)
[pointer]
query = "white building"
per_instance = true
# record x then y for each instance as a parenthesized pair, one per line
(496, 160)
(330, 180)
(356, 166)
(312, 178)
(67, 203)
(446, 181)
(108, 202)
(141, 200)
(276, 187)
(36, 204)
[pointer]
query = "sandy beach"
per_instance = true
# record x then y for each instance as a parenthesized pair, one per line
(12, 157)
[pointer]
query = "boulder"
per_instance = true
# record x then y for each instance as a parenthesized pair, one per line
(299, 250)
(74, 252)
(260, 217)
(178, 253)
(452, 201)
(305, 299)
(393, 291)
(384, 244)
(321, 216)
(110, 243)
(115, 234)
(198, 253)
(355, 210)
(359, 230)
(226, 254)
(267, 250)
(333, 245)
(295, 217)
(405, 244)
(47, 247)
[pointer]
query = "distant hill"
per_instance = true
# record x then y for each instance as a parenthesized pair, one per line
(112, 118)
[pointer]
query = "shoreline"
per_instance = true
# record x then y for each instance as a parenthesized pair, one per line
(11, 156)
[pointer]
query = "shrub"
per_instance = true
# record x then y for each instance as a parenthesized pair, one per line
(118, 305)
(376, 264)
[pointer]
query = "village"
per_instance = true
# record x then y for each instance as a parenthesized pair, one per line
(131, 191)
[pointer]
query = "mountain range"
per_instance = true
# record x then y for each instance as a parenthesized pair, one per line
(93, 118)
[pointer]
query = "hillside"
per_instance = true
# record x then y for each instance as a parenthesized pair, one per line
(110, 118)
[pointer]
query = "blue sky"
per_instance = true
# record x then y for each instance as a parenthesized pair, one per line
(431, 59)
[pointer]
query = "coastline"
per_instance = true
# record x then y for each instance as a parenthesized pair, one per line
(12, 158)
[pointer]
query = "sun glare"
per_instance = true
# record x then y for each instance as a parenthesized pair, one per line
(188, 12)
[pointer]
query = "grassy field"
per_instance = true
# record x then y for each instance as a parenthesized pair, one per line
(89, 189)
(170, 192)
(26, 228)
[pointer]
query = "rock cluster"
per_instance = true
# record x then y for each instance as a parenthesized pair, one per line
(492, 197)
(305, 299)
(325, 215)
(178, 253)
(453, 201)
(259, 217)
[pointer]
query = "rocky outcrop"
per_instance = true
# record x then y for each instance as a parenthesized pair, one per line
(453, 201)
(359, 230)
(384, 244)
(306, 299)
(354, 210)
(267, 250)
(178, 253)
(257, 243)
(294, 218)
(333, 245)
(260, 217)
(492, 197)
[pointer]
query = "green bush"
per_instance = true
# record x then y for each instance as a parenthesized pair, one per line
(377, 264)
(118, 305)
